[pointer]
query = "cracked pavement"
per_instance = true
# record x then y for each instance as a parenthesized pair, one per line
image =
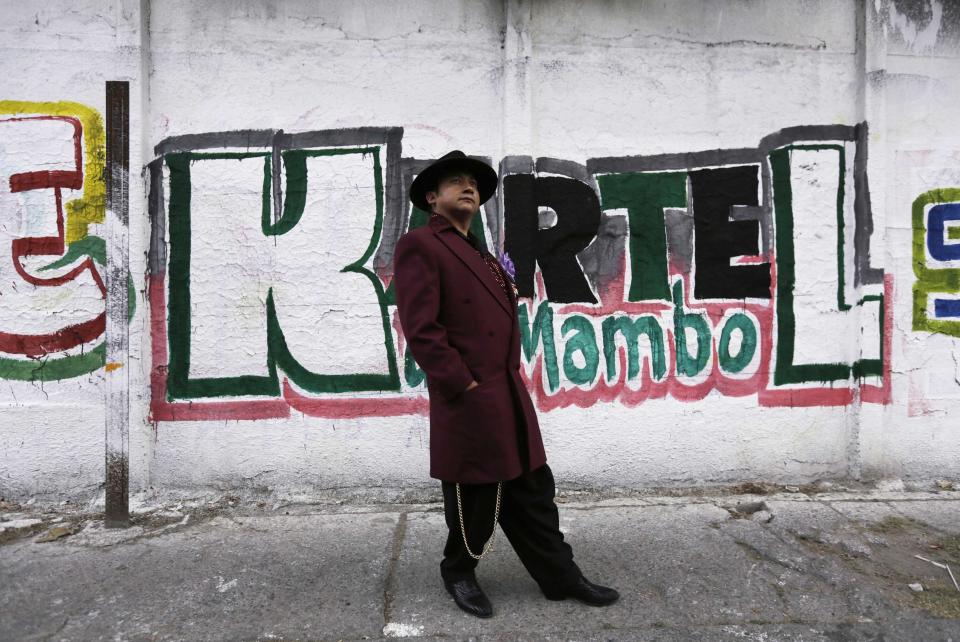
(776, 566)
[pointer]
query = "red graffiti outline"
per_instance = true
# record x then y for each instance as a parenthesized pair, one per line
(330, 407)
(358, 407)
(354, 407)
(611, 302)
(163, 410)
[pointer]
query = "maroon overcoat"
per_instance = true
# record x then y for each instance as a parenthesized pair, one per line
(460, 326)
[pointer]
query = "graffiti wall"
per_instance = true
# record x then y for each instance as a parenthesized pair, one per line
(51, 192)
(736, 243)
(671, 275)
(936, 261)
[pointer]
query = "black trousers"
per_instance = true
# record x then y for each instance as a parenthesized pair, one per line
(528, 517)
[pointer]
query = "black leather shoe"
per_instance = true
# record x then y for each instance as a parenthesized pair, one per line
(585, 591)
(470, 597)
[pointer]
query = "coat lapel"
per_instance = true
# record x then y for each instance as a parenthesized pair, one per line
(476, 264)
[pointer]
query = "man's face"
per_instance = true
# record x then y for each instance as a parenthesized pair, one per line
(455, 194)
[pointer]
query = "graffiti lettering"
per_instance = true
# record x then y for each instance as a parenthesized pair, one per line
(554, 249)
(716, 192)
(936, 261)
(645, 276)
(51, 268)
(696, 349)
(232, 339)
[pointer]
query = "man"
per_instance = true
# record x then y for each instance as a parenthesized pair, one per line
(458, 310)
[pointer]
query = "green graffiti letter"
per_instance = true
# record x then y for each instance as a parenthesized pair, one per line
(631, 329)
(250, 295)
(584, 341)
(748, 343)
(540, 330)
(809, 191)
(644, 196)
(688, 364)
(411, 371)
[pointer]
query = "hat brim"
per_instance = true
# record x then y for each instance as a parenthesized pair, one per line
(427, 180)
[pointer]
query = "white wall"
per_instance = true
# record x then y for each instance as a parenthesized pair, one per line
(658, 115)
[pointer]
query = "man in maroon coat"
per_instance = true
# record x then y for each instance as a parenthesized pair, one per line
(458, 310)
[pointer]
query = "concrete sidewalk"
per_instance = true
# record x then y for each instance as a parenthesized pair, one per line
(782, 566)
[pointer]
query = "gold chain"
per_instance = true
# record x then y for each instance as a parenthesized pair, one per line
(493, 535)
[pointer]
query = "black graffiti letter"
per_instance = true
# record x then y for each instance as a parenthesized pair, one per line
(520, 227)
(554, 249)
(717, 238)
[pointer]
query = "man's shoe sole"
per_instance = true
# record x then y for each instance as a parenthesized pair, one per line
(482, 617)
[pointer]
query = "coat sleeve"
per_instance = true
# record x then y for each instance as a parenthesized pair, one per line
(416, 281)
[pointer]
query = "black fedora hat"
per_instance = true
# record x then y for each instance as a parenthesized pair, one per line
(455, 161)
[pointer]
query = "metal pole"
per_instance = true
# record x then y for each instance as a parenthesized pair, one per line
(117, 510)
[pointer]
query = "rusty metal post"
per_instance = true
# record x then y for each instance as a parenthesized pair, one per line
(117, 510)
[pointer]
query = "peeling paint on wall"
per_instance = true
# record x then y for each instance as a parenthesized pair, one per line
(917, 22)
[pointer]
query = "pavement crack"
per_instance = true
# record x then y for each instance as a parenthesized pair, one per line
(765, 556)
(399, 534)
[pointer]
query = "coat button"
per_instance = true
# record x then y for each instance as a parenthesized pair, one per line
(490, 333)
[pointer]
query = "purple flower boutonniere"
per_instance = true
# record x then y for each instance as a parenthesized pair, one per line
(507, 264)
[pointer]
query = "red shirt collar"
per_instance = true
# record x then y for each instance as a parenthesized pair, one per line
(439, 223)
